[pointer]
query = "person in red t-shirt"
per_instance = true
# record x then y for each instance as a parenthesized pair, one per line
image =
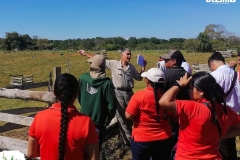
(203, 120)
(61, 132)
(151, 131)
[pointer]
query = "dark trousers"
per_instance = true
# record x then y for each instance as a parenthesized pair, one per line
(101, 130)
(174, 139)
(228, 149)
(157, 150)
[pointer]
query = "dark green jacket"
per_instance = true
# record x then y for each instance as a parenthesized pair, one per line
(97, 99)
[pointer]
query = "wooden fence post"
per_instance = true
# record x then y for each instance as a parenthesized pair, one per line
(50, 83)
(56, 73)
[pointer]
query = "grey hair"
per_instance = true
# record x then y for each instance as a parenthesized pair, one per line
(125, 49)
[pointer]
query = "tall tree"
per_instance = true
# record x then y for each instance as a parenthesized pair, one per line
(204, 42)
(12, 41)
(132, 42)
(191, 45)
(215, 31)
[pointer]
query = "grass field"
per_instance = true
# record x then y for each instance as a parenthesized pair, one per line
(39, 64)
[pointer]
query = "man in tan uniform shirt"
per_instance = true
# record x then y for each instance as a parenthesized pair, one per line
(123, 75)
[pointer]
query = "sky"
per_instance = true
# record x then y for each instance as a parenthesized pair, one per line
(72, 19)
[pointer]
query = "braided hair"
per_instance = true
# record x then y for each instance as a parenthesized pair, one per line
(157, 86)
(212, 91)
(65, 89)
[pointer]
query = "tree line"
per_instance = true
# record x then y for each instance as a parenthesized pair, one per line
(214, 37)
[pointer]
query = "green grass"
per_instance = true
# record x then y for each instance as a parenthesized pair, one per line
(39, 64)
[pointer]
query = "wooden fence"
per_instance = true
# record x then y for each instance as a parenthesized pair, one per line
(43, 96)
(19, 80)
(226, 54)
(200, 67)
(13, 143)
(26, 82)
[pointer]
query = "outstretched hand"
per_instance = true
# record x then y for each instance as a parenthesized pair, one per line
(184, 81)
(81, 52)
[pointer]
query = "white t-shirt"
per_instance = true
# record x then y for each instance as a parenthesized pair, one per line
(224, 77)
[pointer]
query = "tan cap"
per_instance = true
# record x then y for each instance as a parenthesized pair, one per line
(97, 62)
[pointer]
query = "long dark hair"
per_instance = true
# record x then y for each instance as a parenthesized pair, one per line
(157, 86)
(65, 89)
(212, 91)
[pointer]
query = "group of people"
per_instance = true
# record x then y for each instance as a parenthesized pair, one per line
(195, 116)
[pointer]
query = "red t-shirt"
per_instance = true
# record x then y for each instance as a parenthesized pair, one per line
(46, 129)
(199, 136)
(146, 128)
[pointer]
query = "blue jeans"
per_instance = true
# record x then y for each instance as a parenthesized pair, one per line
(157, 150)
(101, 130)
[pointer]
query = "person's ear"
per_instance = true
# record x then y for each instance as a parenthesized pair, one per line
(174, 61)
(146, 81)
(201, 93)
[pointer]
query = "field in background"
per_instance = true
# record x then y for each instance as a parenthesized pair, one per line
(39, 64)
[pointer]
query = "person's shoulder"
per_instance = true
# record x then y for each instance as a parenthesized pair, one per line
(107, 80)
(175, 71)
(185, 63)
(86, 74)
(219, 72)
(141, 92)
(131, 65)
(82, 116)
(42, 114)
(112, 60)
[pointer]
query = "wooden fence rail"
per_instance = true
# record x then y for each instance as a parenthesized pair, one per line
(42, 96)
(226, 54)
(48, 97)
(13, 143)
(200, 67)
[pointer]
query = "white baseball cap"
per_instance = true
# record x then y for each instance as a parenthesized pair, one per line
(155, 75)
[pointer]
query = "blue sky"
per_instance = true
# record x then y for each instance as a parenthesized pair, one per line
(72, 19)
